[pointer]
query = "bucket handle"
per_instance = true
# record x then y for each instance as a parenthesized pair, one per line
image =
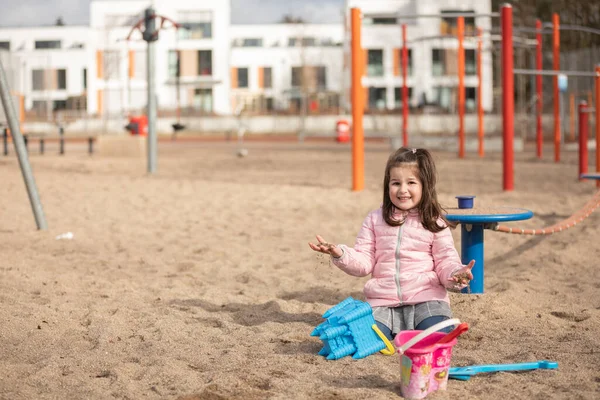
(427, 332)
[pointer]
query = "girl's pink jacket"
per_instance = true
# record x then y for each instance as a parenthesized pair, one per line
(408, 264)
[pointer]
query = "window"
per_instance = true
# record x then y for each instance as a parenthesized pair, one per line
(303, 42)
(398, 96)
(49, 79)
(438, 62)
(37, 79)
(139, 65)
(195, 24)
(110, 64)
(296, 76)
(269, 105)
(205, 62)
(113, 20)
(59, 105)
(309, 77)
(449, 24)
(409, 62)
(39, 106)
(173, 59)
(321, 77)
(445, 62)
(384, 21)
(470, 62)
(268, 77)
(47, 44)
(62, 79)
(377, 98)
(444, 96)
(375, 63)
(470, 97)
(203, 100)
(5, 45)
(252, 43)
(242, 77)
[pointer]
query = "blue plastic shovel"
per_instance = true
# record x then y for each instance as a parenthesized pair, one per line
(465, 373)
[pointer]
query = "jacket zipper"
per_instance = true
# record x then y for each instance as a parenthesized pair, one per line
(397, 273)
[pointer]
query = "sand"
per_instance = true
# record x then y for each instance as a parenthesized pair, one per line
(197, 282)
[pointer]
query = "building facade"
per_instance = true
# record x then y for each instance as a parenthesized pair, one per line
(210, 66)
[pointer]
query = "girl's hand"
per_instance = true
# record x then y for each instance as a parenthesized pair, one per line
(326, 248)
(463, 276)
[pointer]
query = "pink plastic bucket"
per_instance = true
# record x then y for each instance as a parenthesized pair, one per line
(424, 364)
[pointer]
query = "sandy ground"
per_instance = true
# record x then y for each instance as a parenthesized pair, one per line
(197, 282)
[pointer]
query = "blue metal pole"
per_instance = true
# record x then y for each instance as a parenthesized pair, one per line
(471, 248)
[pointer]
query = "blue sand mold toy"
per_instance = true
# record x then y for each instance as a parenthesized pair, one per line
(348, 330)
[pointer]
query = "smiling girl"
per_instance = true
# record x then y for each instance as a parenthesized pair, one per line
(407, 248)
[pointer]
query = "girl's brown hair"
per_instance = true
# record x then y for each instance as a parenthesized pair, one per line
(429, 208)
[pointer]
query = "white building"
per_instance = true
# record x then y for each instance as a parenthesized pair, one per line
(214, 67)
(432, 50)
(47, 66)
(119, 70)
(287, 67)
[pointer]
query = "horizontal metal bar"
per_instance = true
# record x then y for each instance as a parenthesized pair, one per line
(417, 16)
(574, 28)
(554, 73)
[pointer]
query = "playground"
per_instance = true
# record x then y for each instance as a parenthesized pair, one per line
(196, 282)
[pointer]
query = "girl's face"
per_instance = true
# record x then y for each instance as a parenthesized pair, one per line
(406, 188)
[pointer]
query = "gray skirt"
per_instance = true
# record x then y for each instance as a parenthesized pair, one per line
(403, 318)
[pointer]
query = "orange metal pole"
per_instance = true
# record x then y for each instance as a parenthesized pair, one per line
(556, 94)
(481, 151)
(508, 101)
(597, 116)
(583, 139)
(358, 151)
(461, 86)
(21, 110)
(538, 89)
(572, 117)
(404, 88)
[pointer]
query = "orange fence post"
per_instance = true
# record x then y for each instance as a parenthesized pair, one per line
(481, 151)
(583, 138)
(461, 86)
(404, 88)
(508, 103)
(358, 151)
(597, 116)
(539, 136)
(572, 117)
(556, 94)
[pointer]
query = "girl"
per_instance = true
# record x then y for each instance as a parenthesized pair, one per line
(407, 249)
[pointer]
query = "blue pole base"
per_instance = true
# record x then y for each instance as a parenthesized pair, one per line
(472, 249)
